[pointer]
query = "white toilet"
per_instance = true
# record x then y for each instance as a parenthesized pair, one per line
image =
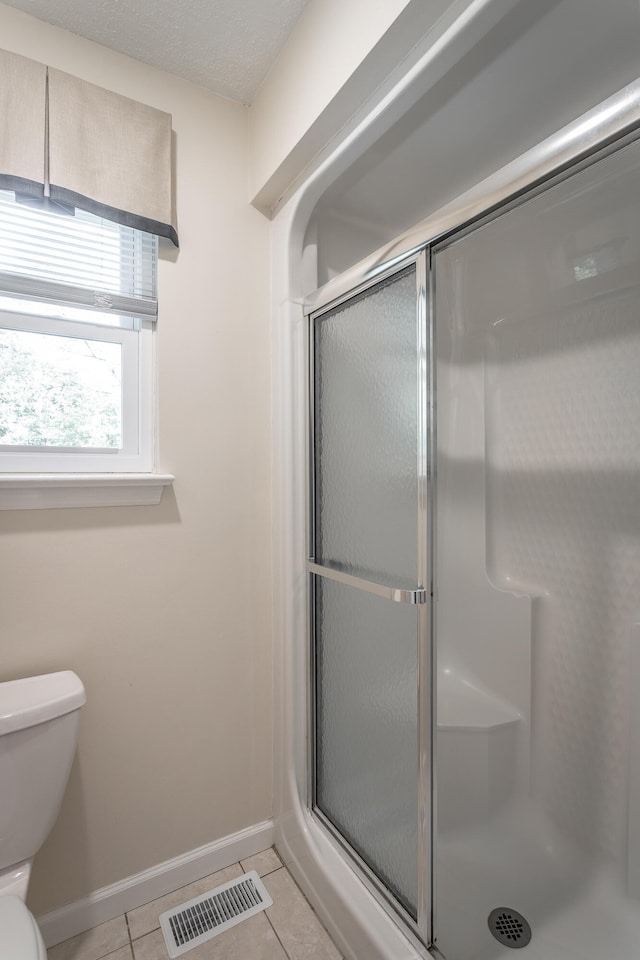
(38, 735)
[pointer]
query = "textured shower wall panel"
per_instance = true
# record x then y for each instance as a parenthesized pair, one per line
(563, 460)
(541, 357)
(482, 626)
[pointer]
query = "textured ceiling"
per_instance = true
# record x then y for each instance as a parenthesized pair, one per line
(227, 46)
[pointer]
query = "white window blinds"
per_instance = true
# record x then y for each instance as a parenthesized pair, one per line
(73, 263)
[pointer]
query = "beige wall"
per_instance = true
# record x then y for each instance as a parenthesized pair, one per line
(329, 42)
(163, 611)
(340, 61)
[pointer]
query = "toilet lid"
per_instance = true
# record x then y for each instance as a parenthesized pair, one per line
(19, 935)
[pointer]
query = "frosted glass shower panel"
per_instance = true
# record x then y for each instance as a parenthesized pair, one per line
(366, 730)
(366, 412)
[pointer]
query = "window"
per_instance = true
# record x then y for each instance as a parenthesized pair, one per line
(77, 308)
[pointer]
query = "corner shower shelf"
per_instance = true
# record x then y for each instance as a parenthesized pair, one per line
(477, 753)
(462, 706)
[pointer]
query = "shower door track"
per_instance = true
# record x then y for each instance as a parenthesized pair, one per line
(375, 886)
(596, 133)
(601, 131)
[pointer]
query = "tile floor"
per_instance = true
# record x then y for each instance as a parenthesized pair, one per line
(289, 930)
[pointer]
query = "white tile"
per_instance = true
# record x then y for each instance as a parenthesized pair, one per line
(300, 932)
(150, 947)
(124, 953)
(94, 944)
(144, 919)
(263, 863)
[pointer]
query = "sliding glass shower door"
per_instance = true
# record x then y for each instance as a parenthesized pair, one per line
(369, 582)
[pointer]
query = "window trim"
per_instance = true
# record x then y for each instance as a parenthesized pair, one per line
(40, 491)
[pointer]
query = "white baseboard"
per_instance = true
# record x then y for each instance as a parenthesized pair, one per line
(116, 899)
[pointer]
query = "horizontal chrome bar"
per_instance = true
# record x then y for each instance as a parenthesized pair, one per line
(613, 118)
(397, 594)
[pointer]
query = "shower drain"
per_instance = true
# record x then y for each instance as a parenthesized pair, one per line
(509, 927)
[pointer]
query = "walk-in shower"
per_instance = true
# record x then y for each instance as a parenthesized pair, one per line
(475, 540)
(466, 477)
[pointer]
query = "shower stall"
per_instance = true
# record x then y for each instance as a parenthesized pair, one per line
(460, 762)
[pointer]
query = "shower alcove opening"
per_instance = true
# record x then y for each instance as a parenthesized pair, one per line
(457, 418)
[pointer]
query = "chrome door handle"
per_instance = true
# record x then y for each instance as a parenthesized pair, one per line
(397, 594)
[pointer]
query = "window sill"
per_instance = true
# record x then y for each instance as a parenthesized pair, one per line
(42, 491)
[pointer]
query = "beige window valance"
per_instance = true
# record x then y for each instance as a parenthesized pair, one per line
(64, 138)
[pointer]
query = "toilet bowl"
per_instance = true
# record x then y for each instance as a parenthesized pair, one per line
(20, 938)
(38, 736)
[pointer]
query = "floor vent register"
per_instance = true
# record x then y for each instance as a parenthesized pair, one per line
(204, 917)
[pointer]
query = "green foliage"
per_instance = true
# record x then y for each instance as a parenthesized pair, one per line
(58, 391)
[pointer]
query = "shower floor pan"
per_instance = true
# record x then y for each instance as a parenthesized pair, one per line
(577, 909)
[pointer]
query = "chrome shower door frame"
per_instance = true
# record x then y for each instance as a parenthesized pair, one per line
(421, 932)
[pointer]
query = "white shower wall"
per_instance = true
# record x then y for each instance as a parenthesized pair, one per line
(563, 452)
(550, 396)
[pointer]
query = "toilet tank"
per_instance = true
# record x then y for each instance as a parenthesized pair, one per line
(38, 735)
